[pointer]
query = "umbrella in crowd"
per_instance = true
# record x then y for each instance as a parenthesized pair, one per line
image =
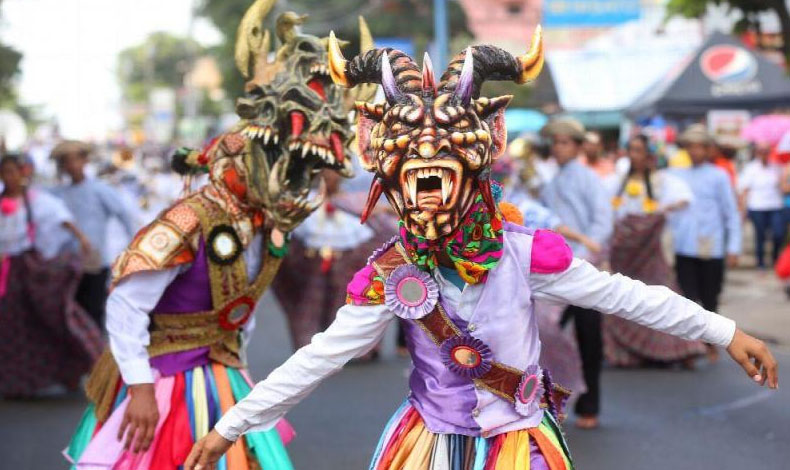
(769, 128)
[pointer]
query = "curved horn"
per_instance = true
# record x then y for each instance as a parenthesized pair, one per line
(531, 63)
(368, 67)
(365, 38)
(494, 63)
(388, 83)
(463, 90)
(250, 36)
(337, 63)
(428, 79)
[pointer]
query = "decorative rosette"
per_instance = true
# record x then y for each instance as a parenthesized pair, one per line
(466, 356)
(380, 250)
(224, 245)
(530, 391)
(235, 314)
(410, 293)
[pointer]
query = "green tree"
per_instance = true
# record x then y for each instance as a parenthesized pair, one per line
(386, 18)
(9, 70)
(749, 9)
(159, 61)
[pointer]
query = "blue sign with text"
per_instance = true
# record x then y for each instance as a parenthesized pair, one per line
(558, 13)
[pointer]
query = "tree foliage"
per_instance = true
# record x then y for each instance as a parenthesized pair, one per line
(159, 61)
(10, 59)
(749, 9)
(387, 18)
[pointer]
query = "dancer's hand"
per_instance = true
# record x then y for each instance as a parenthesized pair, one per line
(755, 358)
(140, 418)
(206, 452)
(591, 245)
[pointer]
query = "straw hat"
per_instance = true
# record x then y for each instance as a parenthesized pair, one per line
(564, 126)
(695, 134)
(729, 141)
(68, 147)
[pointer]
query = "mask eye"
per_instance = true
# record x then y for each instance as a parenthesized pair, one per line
(306, 47)
(462, 124)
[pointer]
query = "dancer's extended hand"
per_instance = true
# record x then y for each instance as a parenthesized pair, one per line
(140, 418)
(206, 452)
(755, 358)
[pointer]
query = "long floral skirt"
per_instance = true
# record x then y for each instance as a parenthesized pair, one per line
(190, 403)
(407, 444)
(45, 337)
(636, 252)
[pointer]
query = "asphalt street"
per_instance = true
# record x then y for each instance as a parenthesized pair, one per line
(711, 418)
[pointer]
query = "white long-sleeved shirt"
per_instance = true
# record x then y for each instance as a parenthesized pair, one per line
(133, 299)
(357, 329)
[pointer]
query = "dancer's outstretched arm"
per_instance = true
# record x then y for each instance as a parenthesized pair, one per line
(655, 307)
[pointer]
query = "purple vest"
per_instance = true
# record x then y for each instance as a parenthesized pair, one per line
(503, 318)
(189, 292)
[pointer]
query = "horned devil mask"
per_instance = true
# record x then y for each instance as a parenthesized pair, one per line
(431, 146)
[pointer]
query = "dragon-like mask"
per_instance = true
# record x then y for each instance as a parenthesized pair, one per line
(294, 119)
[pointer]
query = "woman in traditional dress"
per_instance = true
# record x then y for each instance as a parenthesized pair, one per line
(46, 340)
(645, 200)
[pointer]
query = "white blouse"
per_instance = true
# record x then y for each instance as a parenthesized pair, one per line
(667, 190)
(131, 302)
(761, 184)
(357, 329)
(49, 215)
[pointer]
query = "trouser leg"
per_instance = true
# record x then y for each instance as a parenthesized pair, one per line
(711, 282)
(687, 276)
(588, 334)
(92, 294)
(760, 221)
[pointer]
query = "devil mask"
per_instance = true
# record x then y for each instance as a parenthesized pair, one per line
(294, 120)
(431, 145)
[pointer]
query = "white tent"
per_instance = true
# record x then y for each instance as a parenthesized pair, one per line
(611, 71)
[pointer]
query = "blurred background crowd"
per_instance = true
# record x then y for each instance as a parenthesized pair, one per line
(657, 140)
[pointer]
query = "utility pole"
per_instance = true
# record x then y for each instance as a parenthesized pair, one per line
(440, 32)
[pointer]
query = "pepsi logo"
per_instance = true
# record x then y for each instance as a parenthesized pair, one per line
(728, 64)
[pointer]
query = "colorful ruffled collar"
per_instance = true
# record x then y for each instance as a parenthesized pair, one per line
(475, 248)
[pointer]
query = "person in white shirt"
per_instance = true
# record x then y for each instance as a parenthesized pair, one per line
(760, 192)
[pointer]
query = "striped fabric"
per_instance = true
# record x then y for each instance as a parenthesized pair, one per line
(407, 444)
(189, 403)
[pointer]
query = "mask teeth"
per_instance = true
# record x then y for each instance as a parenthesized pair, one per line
(411, 186)
(447, 186)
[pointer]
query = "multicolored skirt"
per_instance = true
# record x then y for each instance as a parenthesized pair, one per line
(407, 444)
(190, 403)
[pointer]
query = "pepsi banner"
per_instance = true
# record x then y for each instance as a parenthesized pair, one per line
(731, 69)
(569, 13)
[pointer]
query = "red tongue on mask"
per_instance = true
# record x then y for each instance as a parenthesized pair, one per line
(337, 147)
(317, 86)
(297, 123)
